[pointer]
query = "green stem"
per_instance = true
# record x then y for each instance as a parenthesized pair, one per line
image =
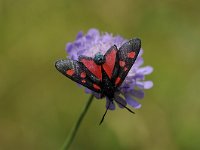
(74, 130)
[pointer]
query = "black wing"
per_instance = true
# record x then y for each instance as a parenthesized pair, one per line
(127, 55)
(75, 71)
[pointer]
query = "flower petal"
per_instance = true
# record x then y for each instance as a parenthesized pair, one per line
(141, 52)
(145, 70)
(88, 91)
(93, 32)
(132, 102)
(79, 35)
(97, 95)
(112, 105)
(120, 100)
(144, 84)
(137, 93)
(107, 37)
(118, 40)
(148, 84)
(77, 44)
(69, 47)
(139, 61)
(73, 57)
(138, 76)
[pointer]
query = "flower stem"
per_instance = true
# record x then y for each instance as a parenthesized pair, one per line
(74, 130)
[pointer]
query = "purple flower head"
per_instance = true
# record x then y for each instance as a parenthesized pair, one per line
(132, 87)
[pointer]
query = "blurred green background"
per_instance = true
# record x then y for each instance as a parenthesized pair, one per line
(38, 106)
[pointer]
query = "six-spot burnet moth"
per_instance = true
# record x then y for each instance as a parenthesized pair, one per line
(103, 73)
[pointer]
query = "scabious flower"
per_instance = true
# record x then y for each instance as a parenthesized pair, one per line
(134, 83)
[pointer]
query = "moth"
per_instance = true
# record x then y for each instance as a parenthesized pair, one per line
(102, 74)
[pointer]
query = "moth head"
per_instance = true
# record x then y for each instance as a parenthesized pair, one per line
(99, 58)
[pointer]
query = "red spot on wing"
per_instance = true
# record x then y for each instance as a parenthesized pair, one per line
(96, 87)
(125, 69)
(117, 81)
(83, 74)
(109, 64)
(92, 67)
(121, 63)
(83, 81)
(131, 55)
(70, 72)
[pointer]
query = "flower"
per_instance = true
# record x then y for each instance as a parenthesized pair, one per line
(134, 83)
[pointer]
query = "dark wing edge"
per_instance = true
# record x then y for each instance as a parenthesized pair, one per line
(127, 55)
(75, 71)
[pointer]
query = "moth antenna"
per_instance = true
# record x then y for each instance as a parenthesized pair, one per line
(125, 106)
(105, 113)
